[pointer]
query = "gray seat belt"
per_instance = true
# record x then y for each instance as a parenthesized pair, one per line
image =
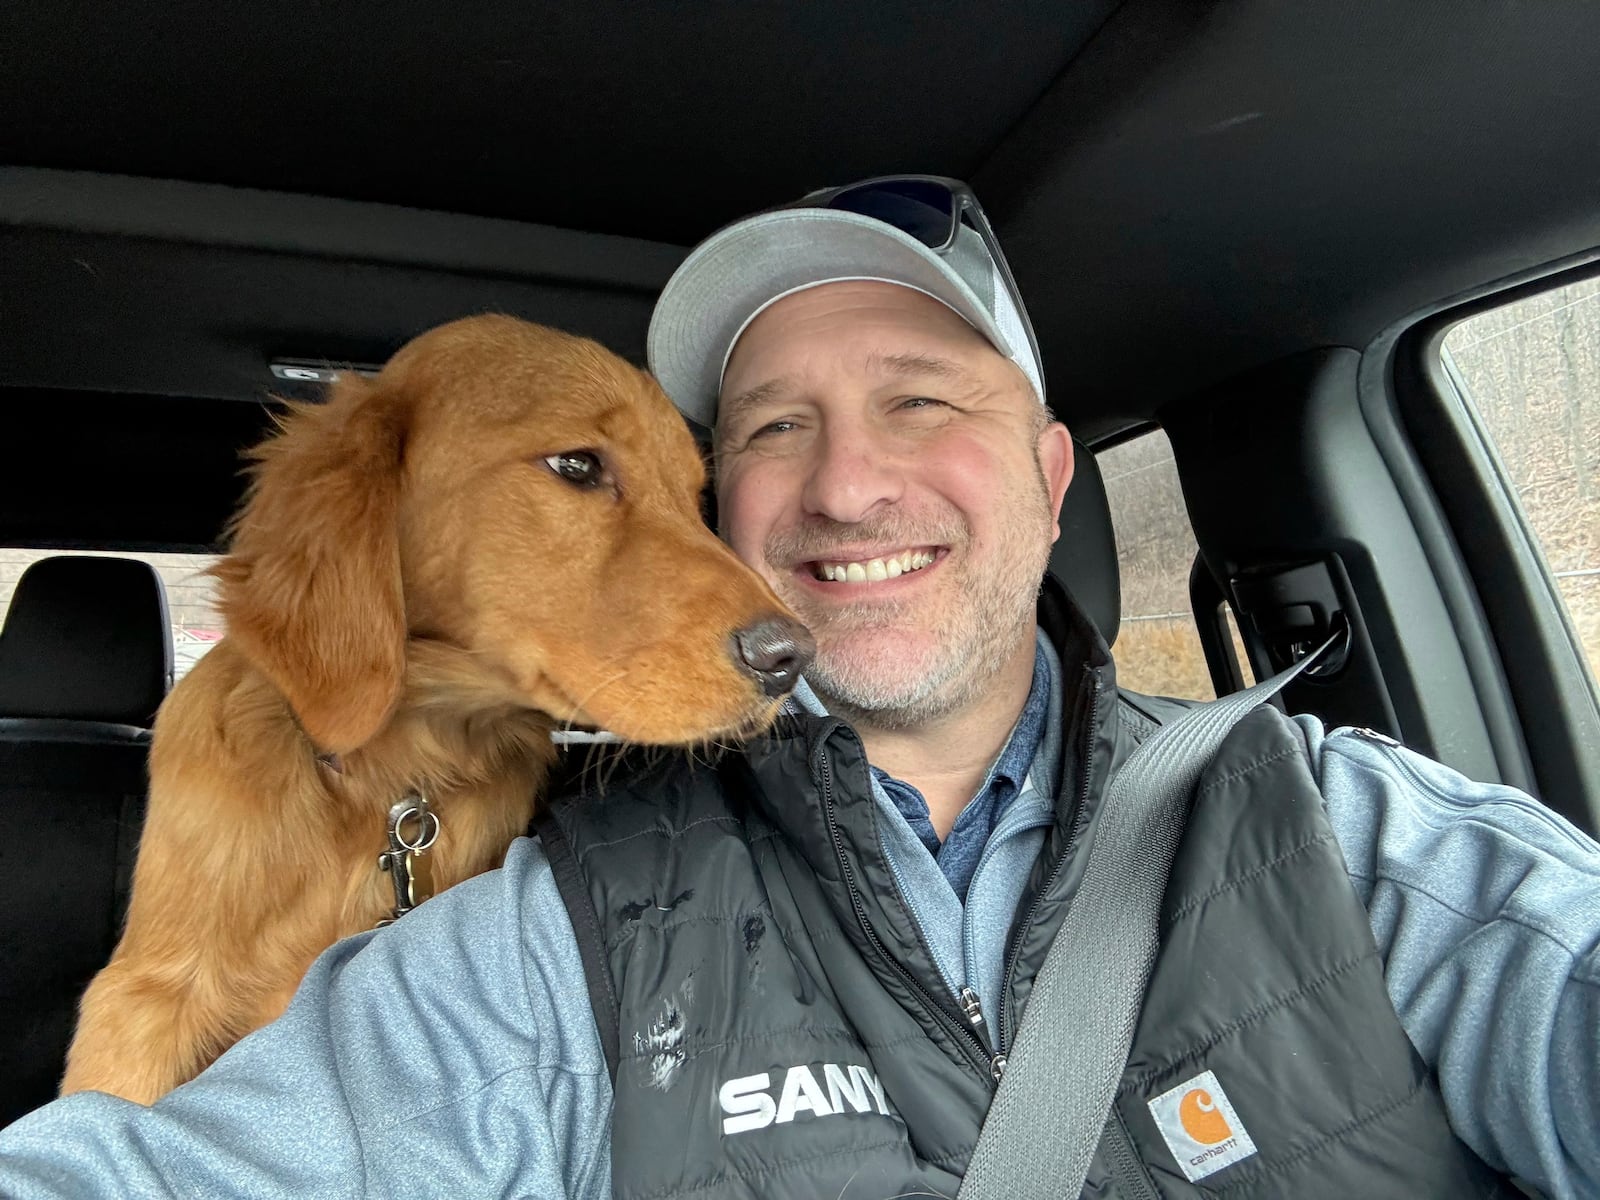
(1072, 1044)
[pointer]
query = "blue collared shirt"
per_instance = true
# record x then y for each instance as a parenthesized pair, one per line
(964, 914)
(958, 855)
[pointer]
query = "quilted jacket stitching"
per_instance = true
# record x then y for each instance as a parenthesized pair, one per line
(1253, 1016)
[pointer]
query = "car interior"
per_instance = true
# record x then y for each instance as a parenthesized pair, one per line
(1247, 224)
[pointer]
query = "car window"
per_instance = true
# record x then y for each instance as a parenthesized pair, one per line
(1531, 370)
(1158, 646)
(191, 596)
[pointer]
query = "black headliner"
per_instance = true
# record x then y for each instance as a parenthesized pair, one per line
(657, 120)
(1186, 190)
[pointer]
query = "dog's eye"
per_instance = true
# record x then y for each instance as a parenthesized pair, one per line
(581, 467)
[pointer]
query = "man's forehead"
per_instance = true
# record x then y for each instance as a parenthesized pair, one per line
(916, 362)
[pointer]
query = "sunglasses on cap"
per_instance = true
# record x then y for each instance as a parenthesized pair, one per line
(932, 209)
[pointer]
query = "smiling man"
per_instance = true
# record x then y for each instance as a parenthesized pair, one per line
(797, 970)
(884, 457)
(897, 481)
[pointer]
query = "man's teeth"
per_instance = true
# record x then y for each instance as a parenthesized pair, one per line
(876, 569)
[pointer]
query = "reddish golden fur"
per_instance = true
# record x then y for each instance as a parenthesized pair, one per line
(410, 587)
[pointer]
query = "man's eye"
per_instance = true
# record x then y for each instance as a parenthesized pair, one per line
(580, 467)
(773, 427)
(921, 402)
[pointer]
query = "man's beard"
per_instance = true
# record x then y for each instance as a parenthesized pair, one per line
(872, 680)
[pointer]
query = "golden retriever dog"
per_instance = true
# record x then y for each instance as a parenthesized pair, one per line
(496, 537)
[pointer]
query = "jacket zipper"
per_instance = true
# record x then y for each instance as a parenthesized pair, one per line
(1122, 1159)
(971, 1006)
(1079, 817)
(964, 1031)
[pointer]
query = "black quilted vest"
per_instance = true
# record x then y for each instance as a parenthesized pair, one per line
(781, 1030)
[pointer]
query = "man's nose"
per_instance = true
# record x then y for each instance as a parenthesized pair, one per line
(851, 475)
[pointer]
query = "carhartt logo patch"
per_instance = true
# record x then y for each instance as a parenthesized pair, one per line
(1201, 1128)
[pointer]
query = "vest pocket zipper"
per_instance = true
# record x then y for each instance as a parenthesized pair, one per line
(1127, 1171)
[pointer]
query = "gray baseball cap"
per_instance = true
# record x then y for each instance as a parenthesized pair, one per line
(740, 271)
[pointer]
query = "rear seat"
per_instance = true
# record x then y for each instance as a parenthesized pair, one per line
(85, 660)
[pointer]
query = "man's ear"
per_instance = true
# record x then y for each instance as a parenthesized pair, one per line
(310, 589)
(1056, 463)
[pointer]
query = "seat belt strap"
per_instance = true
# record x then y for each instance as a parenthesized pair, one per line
(1073, 1040)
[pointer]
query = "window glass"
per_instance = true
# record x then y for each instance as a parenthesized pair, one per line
(191, 596)
(1158, 647)
(1532, 371)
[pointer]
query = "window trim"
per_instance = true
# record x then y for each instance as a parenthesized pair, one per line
(1540, 702)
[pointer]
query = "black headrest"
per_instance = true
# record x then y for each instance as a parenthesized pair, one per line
(86, 639)
(1084, 557)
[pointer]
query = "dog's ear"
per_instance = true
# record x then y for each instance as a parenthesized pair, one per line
(310, 589)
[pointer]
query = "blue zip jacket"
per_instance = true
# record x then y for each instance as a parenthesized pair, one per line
(454, 1053)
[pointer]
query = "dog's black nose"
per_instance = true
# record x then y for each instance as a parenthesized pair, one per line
(774, 651)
